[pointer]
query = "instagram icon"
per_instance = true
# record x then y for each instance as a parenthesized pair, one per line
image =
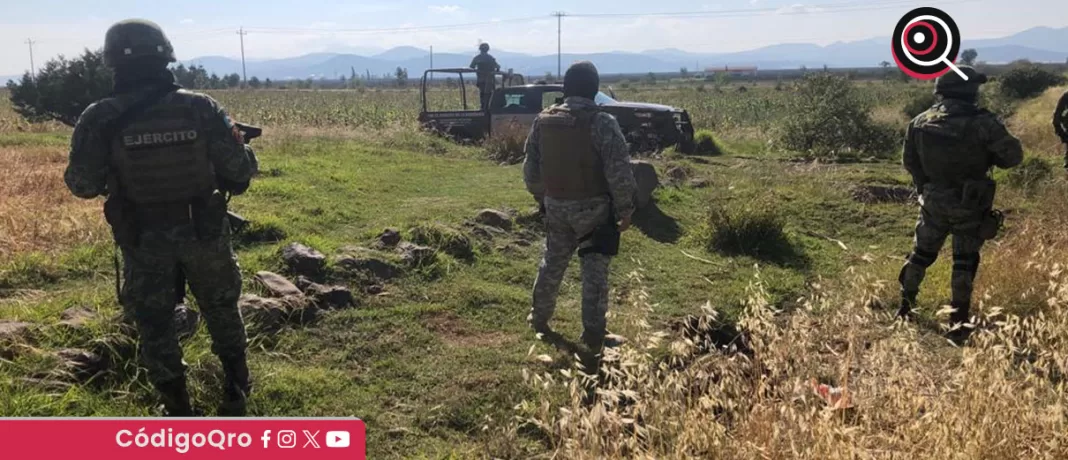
(287, 439)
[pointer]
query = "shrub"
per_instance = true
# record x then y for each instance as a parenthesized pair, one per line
(919, 103)
(753, 228)
(1027, 80)
(705, 144)
(506, 147)
(447, 239)
(62, 89)
(829, 119)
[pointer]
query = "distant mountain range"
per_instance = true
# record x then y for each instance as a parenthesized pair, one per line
(1040, 44)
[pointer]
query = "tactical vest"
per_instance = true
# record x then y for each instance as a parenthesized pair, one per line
(951, 151)
(571, 168)
(162, 156)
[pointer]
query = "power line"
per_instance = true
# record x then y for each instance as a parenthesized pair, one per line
(741, 12)
(297, 30)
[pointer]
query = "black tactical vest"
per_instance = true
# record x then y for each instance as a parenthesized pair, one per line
(162, 156)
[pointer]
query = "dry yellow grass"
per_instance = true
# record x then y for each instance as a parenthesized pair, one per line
(914, 395)
(37, 212)
(1033, 123)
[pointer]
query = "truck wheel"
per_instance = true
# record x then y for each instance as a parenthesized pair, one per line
(686, 146)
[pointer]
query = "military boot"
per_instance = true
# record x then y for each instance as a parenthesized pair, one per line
(175, 397)
(236, 387)
(960, 328)
(540, 326)
(908, 304)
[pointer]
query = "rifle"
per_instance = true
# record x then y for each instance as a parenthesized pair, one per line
(237, 222)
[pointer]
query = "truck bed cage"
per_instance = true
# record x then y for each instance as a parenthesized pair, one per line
(508, 78)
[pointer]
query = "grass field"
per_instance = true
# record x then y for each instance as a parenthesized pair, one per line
(441, 363)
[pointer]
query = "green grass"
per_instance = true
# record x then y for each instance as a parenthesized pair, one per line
(427, 363)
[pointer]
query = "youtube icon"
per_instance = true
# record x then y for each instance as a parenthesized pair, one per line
(337, 439)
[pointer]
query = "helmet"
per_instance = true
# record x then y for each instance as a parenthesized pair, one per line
(135, 38)
(952, 83)
(483, 47)
(582, 79)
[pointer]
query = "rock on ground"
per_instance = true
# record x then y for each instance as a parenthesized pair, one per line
(415, 255)
(277, 285)
(76, 317)
(11, 333)
(330, 297)
(303, 260)
(494, 218)
(377, 268)
(303, 283)
(186, 321)
(648, 181)
(677, 174)
(700, 183)
(81, 365)
(389, 238)
(270, 315)
(485, 232)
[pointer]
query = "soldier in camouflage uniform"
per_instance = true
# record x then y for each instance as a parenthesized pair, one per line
(164, 157)
(1060, 124)
(485, 65)
(578, 165)
(949, 150)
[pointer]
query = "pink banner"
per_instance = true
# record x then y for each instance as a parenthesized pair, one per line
(202, 438)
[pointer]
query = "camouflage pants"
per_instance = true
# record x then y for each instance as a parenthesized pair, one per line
(485, 94)
(566, 222)
(149, 295)
(936, 223)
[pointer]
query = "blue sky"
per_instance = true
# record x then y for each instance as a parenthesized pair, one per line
(203, 27)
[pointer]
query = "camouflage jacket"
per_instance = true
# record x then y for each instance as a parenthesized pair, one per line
(1060, 118)
(956, 141)
(609, 143)
(485, 64)
(90, 153)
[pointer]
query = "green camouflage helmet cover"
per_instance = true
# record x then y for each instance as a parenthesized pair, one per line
(135, 38)
(952, 83)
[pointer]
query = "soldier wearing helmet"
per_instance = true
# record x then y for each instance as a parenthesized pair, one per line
(1060, 124)
(485, 66)
(949, 151)
(578, 166)
(165, 158)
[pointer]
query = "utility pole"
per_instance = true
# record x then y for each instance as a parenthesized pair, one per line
(33, 71)
(559, 16)
(244, 75)
(431, 56)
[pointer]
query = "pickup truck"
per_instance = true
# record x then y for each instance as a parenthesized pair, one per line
(515, 105)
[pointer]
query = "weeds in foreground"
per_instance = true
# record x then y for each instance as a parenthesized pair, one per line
(906, 393)
(506, 147)
(752, 228)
